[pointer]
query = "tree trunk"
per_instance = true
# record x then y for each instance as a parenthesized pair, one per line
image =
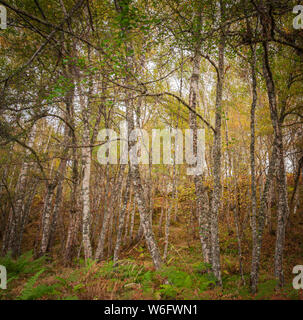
(17, 214)
(167, 225)
(140, 200)
(57, 207)
(74, 212)
(99, 255)
(201, 192)
(281, 175)
(121, 220)
(161, 219)
(50, 189)
(132, 223)
(127, 222)
(86, 169)
(252, 158)
(216, 196)
(134, 168)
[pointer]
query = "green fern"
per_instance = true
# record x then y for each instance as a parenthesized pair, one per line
(25, 264)
(30, 292)
(167, 291)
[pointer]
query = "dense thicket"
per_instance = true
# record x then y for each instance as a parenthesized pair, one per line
(70, 68)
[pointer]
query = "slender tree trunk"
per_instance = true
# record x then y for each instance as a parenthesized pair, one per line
(57, 206)
(276, 161)
(167, 225)
(86, 169)
(17, 213)
(121, 220)
(283, 209)
(269, 216)
(134, 168)
(161, 219)
(127, 222)
(261, 222)
(295, 195)
(237, 223)
(201, 192)
(46, 217)
(216, 196)
(140, 200)
(111, 226)
(50, 189)
(144, 218)
(26, 212)
(106, 219)
(238, 230)
(252, 162)
(74, 212)
(132, 223)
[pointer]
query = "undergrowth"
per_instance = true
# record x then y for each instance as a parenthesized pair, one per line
(183, 277)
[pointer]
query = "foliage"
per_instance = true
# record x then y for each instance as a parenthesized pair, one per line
(32, 292)
(25, 264)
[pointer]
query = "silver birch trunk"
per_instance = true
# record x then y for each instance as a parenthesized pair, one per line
(17, 215)
(99, 255)
(132, 223)
(121, 220)
(85, 187)
(216, 196)
(283, 209)
(252, 157)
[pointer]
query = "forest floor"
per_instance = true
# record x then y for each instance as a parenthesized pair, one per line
(183, 277)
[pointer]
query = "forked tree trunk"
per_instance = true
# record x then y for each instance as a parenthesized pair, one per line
(99, 255)
(134, 168)
(276, 161)
(144, 216)
(50, 189)
(26, 213)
